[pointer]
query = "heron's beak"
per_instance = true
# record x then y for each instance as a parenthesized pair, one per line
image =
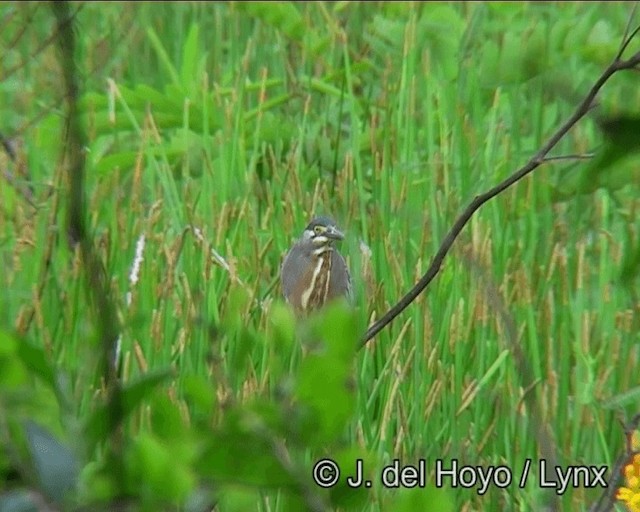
(334, 233)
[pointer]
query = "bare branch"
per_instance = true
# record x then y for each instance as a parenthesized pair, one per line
(96, 280)
(538, 159)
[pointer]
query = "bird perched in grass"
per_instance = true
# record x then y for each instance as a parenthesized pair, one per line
(313, 271)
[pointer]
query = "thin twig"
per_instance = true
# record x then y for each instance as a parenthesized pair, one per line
(43, 46)
(538, 159)
(8, 147)
(584, 156)
(626, 38)
(58, 102)
(23, 28)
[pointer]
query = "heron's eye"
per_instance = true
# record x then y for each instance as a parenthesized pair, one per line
(318, 230)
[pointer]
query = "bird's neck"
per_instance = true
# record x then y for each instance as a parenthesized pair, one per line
(323, 249)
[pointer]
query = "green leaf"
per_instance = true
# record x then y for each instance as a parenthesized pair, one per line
(199, 395)
(442, 28)
(614, 166)
(535, 58)
(324, 387)
(630, 265)
(242, 452)
(283, 325)
(510, 58)
(163, 56)
(506, 11)
(235, 327)
(56, 466)
(12, 370)
(352, 462)
(134, 393)
(100, 422)
(160, 102)
(35, 359)
(189, 68)
(490, 64)
(282, 16)
(622, 131)
(602, 43)
(630, 397)
(324, 384)
(239, 499)
(336, 327)
(91, 101)
(155, 473)
(125, 160)
(285, 17)
(166, 421)
(431, 498)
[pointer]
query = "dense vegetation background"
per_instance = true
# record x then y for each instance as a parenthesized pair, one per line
(214, 132)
